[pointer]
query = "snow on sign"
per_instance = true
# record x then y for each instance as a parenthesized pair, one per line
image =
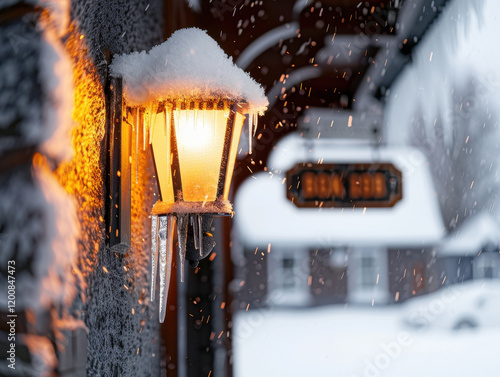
(344, 185)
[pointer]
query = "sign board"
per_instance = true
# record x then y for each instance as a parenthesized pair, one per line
(344, 185)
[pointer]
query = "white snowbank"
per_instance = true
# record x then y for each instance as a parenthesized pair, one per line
(355, 342)
(189, 65)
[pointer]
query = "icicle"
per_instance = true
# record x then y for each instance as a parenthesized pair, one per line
(194, 223)
(152, 122)
(255, 123)
(165, 262)
(166, 121)
(250, 132)
(166, 251)
(136, 122)
(162, 235)
(182, 228)
(198, 232)
(154, 253)
(167, 132)
(215, 118)
(144, 131)
(195, 117)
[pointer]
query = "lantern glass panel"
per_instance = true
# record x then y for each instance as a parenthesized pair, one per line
(238, 125)
(200, 138)
(163, 155)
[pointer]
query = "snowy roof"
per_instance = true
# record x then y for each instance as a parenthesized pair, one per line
(188, 65)
(263, 214)
(471, 236)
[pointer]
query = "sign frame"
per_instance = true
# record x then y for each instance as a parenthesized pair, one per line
(344, 171)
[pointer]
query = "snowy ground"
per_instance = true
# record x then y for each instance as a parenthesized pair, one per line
(356, 342)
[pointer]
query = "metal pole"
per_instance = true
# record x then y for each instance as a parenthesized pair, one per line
(203, 338)
(181, 323)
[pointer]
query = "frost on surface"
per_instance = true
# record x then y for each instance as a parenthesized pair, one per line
(121, 340)
(117, 26)
(123, 327)
(189, 65)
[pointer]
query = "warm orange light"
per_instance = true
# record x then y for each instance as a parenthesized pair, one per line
(199, 145)
(200, 142)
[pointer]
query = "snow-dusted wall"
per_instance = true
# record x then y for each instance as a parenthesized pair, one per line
(52, 190)
(117, 26)
(33, 110)
(38, 226)
(113, 302)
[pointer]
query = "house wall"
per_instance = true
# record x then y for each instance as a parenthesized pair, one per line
(412, 272)
(329, 280)
(398, 274)
(487, 265)
(455, 269)
(252, 284)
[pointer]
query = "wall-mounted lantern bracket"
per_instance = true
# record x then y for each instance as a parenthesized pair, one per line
(118, 169)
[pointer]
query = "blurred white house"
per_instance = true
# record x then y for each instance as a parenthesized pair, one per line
(472, 250)
(313, 256)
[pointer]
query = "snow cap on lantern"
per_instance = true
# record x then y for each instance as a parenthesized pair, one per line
(189, 65)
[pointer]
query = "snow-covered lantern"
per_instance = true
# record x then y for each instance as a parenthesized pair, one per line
(196, 103)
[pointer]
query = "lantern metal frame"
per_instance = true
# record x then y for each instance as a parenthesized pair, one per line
(118, 168)
(175, 167)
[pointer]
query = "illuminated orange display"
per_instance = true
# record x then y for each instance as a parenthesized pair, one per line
(327, 185)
